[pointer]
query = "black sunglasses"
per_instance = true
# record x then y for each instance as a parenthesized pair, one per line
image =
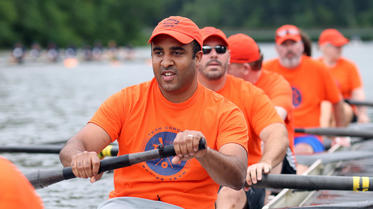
(220, 49)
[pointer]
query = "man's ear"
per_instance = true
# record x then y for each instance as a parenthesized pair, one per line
(246, 68)
(198, 57)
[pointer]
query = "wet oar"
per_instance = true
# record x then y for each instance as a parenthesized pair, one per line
(51, 149)
(333, 157)
(359, 103)
(336, 132)
(303, 182)
(43, 178)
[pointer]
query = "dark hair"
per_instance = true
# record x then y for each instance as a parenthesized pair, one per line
(307, 44)
(196, 48)
(257, 65)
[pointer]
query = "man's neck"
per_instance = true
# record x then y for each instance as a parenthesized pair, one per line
(330, 62)
(182, 95)
(214, 85)
(254, 76)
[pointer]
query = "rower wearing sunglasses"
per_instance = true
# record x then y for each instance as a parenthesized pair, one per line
(311, 84)
(264, 124)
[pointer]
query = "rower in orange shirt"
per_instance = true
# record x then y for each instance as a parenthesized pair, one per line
(311, 84)
(172, 108)
(346, 74)
(264, 123)
(246, 63)
(17, 192)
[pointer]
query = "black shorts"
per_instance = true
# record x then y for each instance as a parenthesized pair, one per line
(255, 198)
(288, 164)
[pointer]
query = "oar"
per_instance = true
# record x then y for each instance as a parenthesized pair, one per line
(333, 157)
(43, 178)
(336, 132)
(304, 182)
(359, 103)
(52, 149)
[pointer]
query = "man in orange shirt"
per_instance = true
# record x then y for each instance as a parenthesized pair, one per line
(173, 108)
(264, 123)
(345, 73)
(16, 190)
(311, 83)
(246, 63)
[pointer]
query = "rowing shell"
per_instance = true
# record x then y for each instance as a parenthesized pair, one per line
(295, 198)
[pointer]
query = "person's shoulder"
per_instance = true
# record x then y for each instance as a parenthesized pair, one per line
(275, 78)
(242, 85)
(347, 62)
(314, 64)
(270, 62)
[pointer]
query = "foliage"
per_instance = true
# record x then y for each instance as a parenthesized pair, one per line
(81, 22)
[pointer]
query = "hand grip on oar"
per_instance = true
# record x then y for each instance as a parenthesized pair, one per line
(43, 178)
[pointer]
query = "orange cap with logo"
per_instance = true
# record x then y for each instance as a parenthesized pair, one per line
(243, 48)
(182, 29)
(333, 37)
(211, 31)
(287, 32)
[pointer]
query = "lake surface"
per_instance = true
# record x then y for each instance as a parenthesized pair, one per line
(42, 103)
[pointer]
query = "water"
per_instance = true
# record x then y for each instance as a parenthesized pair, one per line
(43, 103)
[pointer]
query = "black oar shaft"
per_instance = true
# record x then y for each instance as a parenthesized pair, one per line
(359, 103)
(43, 178)
(335, 132)
(303, 182)
(52, 149)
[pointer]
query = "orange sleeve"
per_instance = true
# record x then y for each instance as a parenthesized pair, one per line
(109, 118)
(17, 192)
(263, 112)
(355, 77)
(233, 129)
(282, 96)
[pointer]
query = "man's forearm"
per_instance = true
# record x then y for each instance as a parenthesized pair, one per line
(71, 148)
(275, 143)
(226, 170)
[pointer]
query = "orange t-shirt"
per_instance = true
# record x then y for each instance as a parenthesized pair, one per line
(279, 91)
(16, 190)
(311, 83)
(346, 75)
(141, 118)
(257, 108)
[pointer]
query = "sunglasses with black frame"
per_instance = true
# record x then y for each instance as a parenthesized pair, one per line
(220, 49)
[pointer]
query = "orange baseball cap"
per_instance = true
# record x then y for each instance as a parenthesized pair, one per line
(243, 48)
(181, 28)
(333, 37)
(211, 31)
(287, 32)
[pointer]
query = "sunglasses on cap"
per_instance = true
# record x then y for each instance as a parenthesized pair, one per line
(285, 32)
(220, 49)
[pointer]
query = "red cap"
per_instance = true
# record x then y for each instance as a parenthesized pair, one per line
(243, 48)
(211, 31)
(181, 28)
(287, 32)
(333, 37)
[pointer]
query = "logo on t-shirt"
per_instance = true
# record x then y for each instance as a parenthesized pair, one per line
(297, 97)
(163, 166)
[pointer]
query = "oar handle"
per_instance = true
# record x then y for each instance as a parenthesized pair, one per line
(43, 178)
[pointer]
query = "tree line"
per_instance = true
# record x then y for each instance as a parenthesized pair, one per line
(129, 22)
